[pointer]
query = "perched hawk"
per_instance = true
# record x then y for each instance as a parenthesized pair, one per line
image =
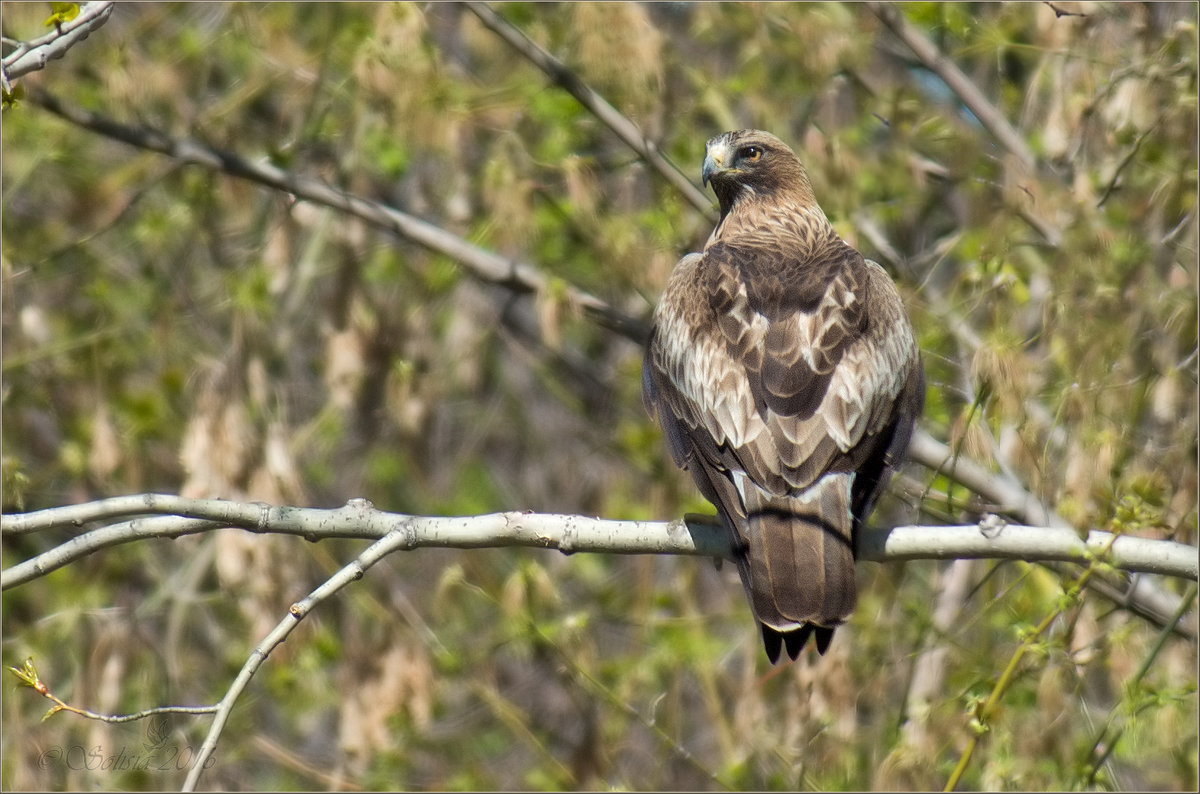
(786, 379)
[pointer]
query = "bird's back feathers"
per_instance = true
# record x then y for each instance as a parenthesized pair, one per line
(786, 378)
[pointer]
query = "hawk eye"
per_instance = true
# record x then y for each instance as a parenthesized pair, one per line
(751, 153)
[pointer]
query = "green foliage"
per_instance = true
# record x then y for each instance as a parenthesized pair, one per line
(10, 98)
(169, 328)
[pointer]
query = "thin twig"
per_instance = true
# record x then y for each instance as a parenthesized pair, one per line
(620, 124)
(985, 712)
(957, 81)
(1126, 160)
(28, 676)
(1118, 719)
(1010, 497)
(1059, 13)
(298, 611)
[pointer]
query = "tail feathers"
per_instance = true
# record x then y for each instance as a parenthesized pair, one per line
(798, 566)
(795, 640)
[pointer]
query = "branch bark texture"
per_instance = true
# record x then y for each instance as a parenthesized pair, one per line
(32, 56)
(128, 518)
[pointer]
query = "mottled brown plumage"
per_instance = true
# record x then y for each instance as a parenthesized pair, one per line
(786, 379)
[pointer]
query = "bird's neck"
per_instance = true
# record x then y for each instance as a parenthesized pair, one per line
(796, 218)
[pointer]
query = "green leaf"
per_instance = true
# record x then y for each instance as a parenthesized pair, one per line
(27, 674)
(62, 12)
(11, 98)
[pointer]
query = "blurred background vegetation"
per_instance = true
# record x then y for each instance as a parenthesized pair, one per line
(169, 328)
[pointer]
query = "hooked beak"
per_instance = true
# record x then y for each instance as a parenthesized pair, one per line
(715, 157)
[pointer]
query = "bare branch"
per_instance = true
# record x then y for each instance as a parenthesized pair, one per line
(954, 78)
(33, 55)
(1007, 496)
(612, 118)
(484, 265)
(298, 611)
(161, 515)
(83, 545)
(994, 539)
(178, 516)
(1125, 161)
(28, 676)
(1141, 595)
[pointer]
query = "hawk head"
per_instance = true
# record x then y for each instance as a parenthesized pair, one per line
(746, 163)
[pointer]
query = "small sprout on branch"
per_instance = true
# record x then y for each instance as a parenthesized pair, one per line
(12, 96)
(62, 13)
(28, 676)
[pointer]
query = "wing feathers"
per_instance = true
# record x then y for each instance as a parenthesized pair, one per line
(787, 379)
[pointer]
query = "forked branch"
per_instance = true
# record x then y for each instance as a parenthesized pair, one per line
(124, 519)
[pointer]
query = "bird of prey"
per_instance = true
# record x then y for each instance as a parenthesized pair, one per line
(786, 379)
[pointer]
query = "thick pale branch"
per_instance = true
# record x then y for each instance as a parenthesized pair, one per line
(1143, 596)
(34, 55)
(162, 515)
(567, 533)
(123, 532)
(993, 539)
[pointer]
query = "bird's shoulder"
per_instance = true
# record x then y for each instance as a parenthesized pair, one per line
(787, 352)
